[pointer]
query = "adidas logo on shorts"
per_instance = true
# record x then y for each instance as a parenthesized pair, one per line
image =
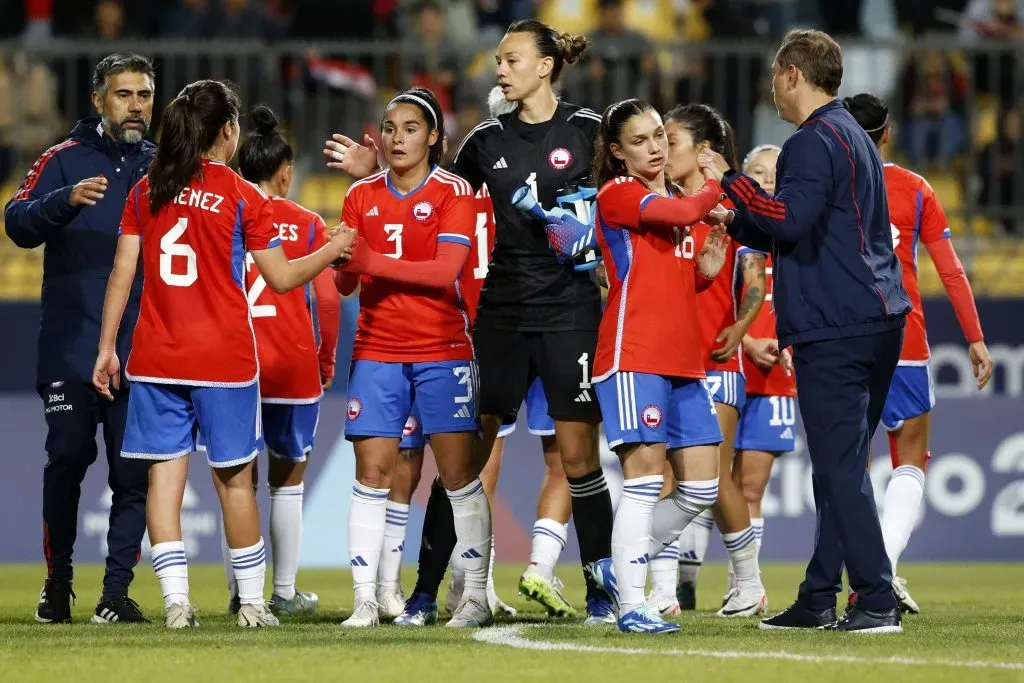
(464, 412)
(787, 434)
(584, 397)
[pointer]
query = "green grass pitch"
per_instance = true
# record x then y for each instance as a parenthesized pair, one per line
(970, 630)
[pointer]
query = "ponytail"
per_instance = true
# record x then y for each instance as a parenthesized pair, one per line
(190, 126)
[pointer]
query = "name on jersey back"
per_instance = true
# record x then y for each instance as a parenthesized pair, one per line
(207, 201)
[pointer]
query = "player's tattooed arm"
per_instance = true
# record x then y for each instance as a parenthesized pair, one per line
(752, 267)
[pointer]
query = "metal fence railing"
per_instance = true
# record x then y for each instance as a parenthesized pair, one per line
(956, 107)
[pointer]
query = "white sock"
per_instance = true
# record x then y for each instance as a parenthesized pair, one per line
(285, 536)
(900, 509)
(396, 518)
(631, 538)
(172, 571)
(250, 565)
(490, 568)
(225, 556)
(473, 529)
(366, 521)
(757, 523)
(549, 539)
(742, 548)
(665, 569)
(693, 545)
(682, 506)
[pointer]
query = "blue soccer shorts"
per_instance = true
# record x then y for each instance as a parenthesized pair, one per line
(165, 419)
(289, 429)
(642, 408)
(767, 423)
(728, 387)
(538, 422)
(381, 396)
(910, 394)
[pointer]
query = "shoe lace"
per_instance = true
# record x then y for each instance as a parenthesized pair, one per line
(125, 601)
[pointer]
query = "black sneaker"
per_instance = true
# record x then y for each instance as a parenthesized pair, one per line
(798, 616)
(858, 620)
(686, 594)
(120, 610)
(55, 602)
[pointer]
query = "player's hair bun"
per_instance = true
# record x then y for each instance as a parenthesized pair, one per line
(572, 46)
(263, 120)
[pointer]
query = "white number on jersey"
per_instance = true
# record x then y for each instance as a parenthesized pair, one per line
(771, 284)
(258, 310)
(394, 233)
(531, 180)
(895, 236)
(170, 248)
(685, 246)
(480, 271)
(783, 412)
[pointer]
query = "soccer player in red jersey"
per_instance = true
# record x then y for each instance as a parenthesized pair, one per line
(768, 422)
(649, 367)
(415, 224)
(295, 368)
(193, 362)
(723, 320)
(916, 217)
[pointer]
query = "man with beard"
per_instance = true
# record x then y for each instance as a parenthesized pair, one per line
(71, 202)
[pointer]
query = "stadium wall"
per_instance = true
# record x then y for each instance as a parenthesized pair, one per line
(974, 495)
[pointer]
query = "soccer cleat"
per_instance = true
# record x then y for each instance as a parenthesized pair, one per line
(454, 595)
(665, 605)
(472, 612)
(603, 574)
(858, 620)
(903, 599)
(599, 612)
(120, 610)
(255, 616)
(797, 616)
(420, 610)
(498, 607)
(55, 602)
(180, 615)
(365, 615)
(545, 591)
(686, 594)
(745, 601)
(391, 601)
(301, 603)
(641, 620)
(234, 604)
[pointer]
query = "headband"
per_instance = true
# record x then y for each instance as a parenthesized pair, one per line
(409, 97)
(757, 150)
(884, 124)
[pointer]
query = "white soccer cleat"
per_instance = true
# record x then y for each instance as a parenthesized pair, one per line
(391, 601)
(365, 615)
(181, 615)
(665, 604)
(472, 612)
(903, 599)
(498, 607)
(255, 616)
(453, 598)
(745, 601)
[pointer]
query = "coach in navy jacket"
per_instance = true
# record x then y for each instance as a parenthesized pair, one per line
(71, 202)
(841, 306)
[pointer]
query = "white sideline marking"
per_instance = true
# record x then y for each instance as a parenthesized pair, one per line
(512, 636)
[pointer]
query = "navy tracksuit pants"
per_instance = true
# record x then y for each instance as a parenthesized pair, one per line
(73, 411)
(841, 386)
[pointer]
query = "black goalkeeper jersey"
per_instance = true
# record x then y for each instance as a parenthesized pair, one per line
(527, 289)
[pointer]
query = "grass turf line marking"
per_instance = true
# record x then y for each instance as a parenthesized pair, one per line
(512, 636)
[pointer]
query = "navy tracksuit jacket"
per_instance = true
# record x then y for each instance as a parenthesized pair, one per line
(78, 257)
(840, 303)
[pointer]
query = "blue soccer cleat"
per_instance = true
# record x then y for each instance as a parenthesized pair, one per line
(420, 610)
(599, 611)
(642, 620)
(603, 574)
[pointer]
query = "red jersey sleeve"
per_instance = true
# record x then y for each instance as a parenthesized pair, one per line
(350, 214)
(620, 203)
(258, 223)
(458, 220)
(934, 224)
(131, 217)
(318, 233)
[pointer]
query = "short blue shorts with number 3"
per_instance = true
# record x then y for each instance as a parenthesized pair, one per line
(381, 396)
